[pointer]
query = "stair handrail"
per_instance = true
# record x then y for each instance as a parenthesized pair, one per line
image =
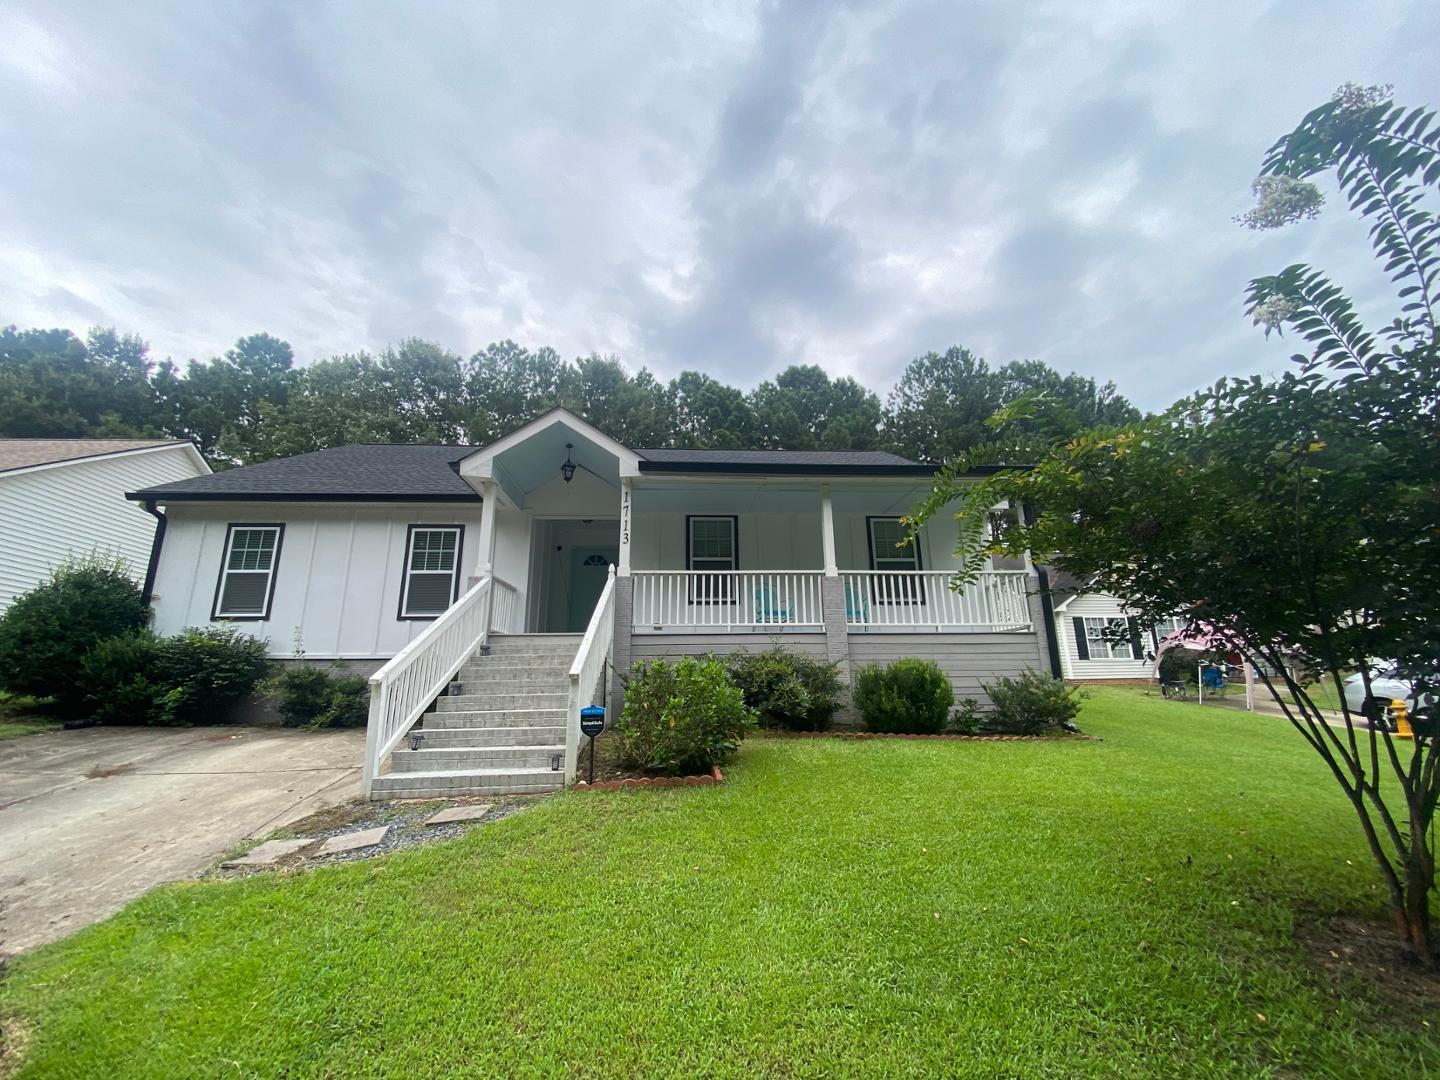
(404, 687)
(587, 669)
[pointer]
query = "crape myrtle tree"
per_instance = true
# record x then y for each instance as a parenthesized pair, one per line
(1298, 516)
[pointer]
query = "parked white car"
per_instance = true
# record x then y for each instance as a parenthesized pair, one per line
(1385, 686)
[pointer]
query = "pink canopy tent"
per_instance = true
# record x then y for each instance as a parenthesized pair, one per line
(1205, 639)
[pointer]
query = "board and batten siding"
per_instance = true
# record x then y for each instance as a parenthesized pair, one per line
(338, 578)
(1094, 606)
(78, 508)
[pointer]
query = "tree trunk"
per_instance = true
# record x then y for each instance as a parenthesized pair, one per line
(1415, 919)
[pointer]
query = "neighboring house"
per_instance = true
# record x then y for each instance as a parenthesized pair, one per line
(61, 498)
(1098, 638)
(361, 553)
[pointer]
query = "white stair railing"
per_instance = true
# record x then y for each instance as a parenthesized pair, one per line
(403, 689)
(587, 670)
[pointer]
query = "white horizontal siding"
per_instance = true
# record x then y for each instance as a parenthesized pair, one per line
(1095, 605)
(337, 582)
(79, 508)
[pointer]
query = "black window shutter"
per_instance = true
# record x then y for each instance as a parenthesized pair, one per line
(1081, 645)
(1136, 651)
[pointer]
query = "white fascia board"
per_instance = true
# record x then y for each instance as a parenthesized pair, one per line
(481, 464)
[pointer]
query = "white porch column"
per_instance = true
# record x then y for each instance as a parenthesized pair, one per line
(627, 498)
(485, 557)
(827, 532)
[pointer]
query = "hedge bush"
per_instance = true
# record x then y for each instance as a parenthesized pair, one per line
(141, 678)
(312, 696)
(45, 632)
(680, 719)
(787, 690)
(1031, 703)
(910, 697)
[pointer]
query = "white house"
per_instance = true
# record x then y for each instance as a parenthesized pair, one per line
(525, 566)
(1098, 638)
(66, 497)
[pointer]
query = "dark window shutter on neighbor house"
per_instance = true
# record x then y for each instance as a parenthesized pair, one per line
(1137, 652)
(1081, 645)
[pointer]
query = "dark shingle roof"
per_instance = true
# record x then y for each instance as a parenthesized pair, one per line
(378, 472)
(385, 472)
(862, 462)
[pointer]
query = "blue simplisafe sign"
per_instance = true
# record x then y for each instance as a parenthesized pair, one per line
(592, 720)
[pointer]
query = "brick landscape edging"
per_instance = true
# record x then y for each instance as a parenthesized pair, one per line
(714, 776)
(948, 738)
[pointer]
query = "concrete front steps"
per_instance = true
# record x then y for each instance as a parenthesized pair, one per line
(501, 735)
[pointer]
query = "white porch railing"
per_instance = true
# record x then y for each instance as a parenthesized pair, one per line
(727, 599)
(923, 600)
(403, 689)
(588, 668)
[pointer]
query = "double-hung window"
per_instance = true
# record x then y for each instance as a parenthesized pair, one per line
(247, 572)
(893, 553)
(1165, 627)
(432, 571)
(1108, 639)
(711, 544)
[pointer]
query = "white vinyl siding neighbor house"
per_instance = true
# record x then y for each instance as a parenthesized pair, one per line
(1098, 639)
(65, 498)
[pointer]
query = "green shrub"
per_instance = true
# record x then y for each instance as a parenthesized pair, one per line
(968, 718)
(787, 690)
(140, 678)
(1031, 703)
(208, 670)
(311, 696)
(680, 719)
(119, 680)
(910, 696)
(45, 632)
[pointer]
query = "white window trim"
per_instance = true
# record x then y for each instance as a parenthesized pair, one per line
(406, 573)
(1103, 648)
(719, 590)
(263, 615)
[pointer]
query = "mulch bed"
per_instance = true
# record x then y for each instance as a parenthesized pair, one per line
(714, 776)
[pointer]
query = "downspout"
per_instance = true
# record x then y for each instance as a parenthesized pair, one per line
(1047, 605)
(150, 570)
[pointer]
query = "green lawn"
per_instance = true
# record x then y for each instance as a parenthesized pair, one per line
(22, 716)
(1115, 908)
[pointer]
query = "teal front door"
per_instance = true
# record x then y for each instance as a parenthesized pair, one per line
(589, 566)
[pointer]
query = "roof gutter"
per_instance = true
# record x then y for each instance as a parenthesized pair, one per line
(154, 565)
(758, 468)
(151, 496)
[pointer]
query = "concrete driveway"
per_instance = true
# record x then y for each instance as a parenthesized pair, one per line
(91, 819)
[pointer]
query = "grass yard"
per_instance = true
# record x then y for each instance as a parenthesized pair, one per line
(22, 716)
(1115, 908)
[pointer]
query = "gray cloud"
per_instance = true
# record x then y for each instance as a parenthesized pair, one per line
(732, 187)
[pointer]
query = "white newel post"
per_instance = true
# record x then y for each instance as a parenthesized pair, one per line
(485, 564)
(627, 498)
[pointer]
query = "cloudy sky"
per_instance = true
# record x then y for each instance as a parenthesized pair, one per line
(733, 187)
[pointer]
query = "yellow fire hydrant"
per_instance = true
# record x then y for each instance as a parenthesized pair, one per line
(1402, 719)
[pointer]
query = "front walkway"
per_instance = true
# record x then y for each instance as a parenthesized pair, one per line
(91, 819)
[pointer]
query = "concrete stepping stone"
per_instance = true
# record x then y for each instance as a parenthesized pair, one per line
(269, 853)
(460, 813)
(353, 841)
